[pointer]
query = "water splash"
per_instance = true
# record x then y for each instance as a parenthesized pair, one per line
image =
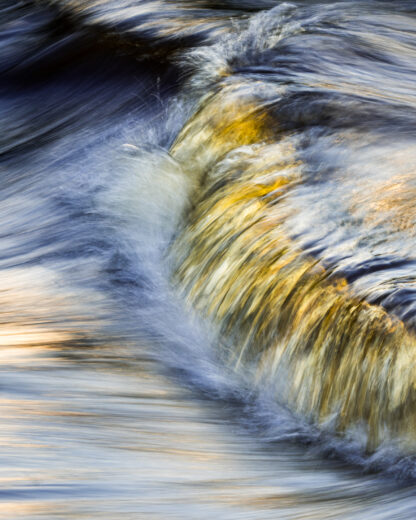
(332, 357)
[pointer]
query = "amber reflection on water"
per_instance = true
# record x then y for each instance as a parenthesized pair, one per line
(349, 362)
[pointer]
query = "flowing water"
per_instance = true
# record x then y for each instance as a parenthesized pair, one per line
(208, 298)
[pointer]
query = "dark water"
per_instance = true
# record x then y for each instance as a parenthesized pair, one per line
(207, 284)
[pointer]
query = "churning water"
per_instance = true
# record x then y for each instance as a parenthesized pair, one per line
(207, 264)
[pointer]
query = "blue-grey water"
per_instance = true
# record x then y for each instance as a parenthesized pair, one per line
(114, 402)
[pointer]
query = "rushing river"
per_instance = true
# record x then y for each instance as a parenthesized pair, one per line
(207, 263)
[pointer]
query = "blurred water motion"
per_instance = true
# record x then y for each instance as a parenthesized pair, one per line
(106, 436)
(207, 288)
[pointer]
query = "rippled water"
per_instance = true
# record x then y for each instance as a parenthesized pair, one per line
(206, 266)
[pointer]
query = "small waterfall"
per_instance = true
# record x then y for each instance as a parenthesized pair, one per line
(331, 356)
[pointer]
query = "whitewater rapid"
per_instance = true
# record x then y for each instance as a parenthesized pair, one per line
(207, 263)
